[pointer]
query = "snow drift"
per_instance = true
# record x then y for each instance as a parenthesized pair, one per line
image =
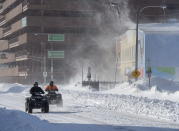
(11, 88)
(13, 120)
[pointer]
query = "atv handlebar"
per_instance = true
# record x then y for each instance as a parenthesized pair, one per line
(50, 91)
(38, 93)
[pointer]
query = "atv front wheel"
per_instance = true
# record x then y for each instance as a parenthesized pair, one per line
(29, 109)
(45, 109)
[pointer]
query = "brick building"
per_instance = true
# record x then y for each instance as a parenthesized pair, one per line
(29, 29)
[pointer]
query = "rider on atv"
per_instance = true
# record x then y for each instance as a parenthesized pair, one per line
(54, 97)
(51, 87)
(36, 89)
(37, 100)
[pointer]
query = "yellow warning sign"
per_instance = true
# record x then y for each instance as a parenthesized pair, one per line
(136, 74)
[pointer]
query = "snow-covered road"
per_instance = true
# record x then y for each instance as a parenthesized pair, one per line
(90, 111)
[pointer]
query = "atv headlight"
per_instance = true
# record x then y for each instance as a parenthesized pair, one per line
(44, 99)
(32, 99)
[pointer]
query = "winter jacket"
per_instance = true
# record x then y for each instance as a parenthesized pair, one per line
(51, 88)
(34, 90)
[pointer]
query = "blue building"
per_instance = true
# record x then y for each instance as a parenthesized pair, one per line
(158, 50)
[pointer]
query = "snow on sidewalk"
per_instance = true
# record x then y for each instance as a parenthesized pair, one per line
(13, 120)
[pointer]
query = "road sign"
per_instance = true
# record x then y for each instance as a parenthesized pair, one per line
(56, 37)
(44, 74)
(149, 71)
(136, 74)
(56, 54)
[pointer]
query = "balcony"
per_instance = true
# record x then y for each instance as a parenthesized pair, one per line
(22, 58)
(13, 28)
(13, 42)
(7, 3)
(10, 57)
(2, 21)
(23, 73)
(6, 71)
(17, 41)
(1, 9)
(3, 45)
(13, 13)
(6, 31)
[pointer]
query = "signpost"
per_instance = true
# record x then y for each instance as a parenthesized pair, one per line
(56, 54)
(56, 37)
(44, 74)
(149, 74)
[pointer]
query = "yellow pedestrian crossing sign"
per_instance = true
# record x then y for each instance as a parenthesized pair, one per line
(136, 73)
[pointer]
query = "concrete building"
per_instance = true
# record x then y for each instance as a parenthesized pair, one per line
(158, 49)
(29, 29)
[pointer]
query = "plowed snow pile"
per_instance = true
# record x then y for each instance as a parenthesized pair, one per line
(160, 89)
(160, 101)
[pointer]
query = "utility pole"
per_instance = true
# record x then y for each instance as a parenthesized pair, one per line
(43, 45)
(51, 64)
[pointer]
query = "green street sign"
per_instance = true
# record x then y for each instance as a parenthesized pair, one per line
(56, 54)
(56, 37)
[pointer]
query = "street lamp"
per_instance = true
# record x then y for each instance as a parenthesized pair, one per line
(137, 29)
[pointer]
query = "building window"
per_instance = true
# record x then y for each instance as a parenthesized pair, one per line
(24, 22)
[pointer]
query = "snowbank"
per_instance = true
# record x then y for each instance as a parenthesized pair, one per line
(12, 88)
(161, 89)
(13, 120)
(160, 101)
(139, 106)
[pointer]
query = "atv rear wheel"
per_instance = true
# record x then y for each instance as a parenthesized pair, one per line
(59, 101)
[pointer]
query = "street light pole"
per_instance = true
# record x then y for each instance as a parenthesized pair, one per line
(44, 62)
(137, 30)
(43, 44)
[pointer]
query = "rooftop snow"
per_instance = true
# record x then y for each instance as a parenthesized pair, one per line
(159, 27)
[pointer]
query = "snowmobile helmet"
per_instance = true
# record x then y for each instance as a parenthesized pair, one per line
(51, 83)
(36, 84)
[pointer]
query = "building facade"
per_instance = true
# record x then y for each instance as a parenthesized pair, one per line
(126, 44)
(157, 51)
(30, 30)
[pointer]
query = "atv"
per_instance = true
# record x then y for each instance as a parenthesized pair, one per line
(54, 98)
(37, 101)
